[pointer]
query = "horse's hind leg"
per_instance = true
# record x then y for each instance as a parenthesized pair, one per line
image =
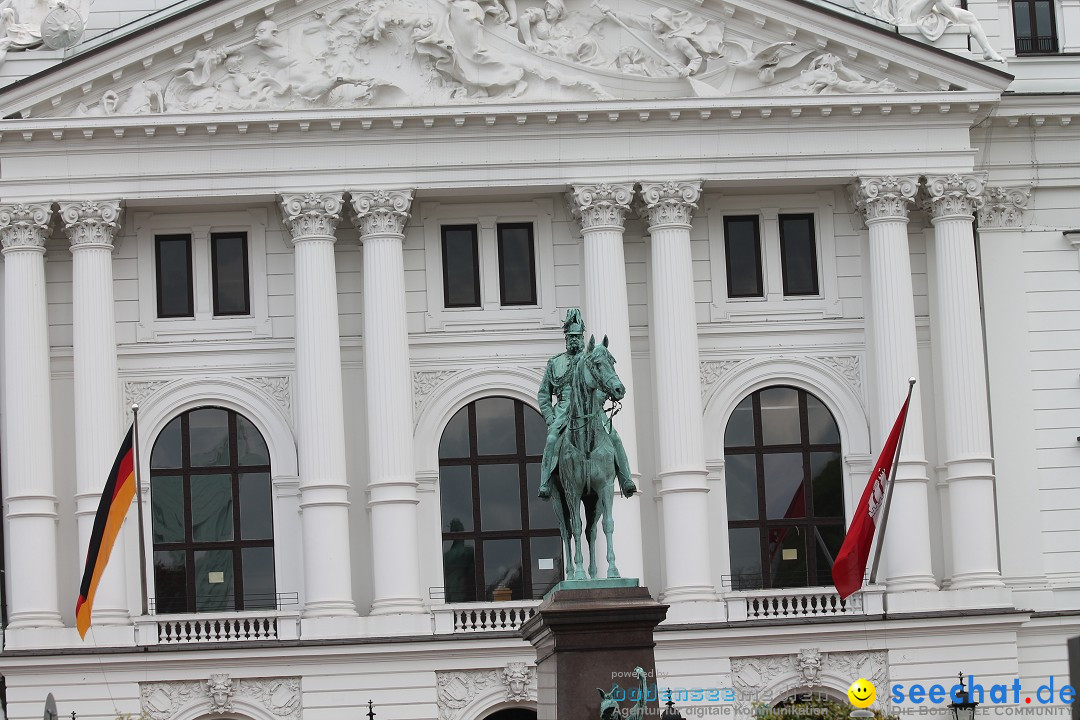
(589, 501)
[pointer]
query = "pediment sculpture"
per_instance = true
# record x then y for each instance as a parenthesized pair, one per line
(23, 23)
(387, 53)
(932, 18)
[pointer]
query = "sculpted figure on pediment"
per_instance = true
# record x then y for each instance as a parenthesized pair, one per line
(552, 31)
(827, 75)
(686, 40)
(932, 18)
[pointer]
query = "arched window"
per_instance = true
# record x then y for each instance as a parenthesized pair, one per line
(500, 541)
(784, 490)
(211, 513)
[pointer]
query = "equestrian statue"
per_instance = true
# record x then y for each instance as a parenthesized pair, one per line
(583, 454)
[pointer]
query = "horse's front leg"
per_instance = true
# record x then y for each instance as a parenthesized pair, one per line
(574, 503)
(607, 498)
(590, 501)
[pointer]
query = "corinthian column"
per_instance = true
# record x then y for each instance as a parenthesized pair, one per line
(885, 201)
(381, 218)
(1006, 322)
(324, 490)
(31, 590)
(951, 202)
(668, 208)
(91, 227)
(601, 210)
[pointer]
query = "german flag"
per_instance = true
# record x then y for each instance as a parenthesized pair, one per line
(115, 501)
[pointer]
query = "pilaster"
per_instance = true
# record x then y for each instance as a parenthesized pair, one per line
(1009, 374)
(30, 502)
(381, 216)
(312, 220)
(668, 208)
(91, 226)
(885, 202)
(601, 212)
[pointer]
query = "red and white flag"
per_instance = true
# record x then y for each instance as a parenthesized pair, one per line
(850, 564)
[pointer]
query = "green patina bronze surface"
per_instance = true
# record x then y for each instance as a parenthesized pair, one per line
(583, 454)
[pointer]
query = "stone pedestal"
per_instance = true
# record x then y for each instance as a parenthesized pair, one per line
(592, 638)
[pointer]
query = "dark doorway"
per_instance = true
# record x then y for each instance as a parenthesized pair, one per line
(513, 714)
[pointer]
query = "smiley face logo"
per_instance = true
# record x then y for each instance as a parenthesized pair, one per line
(862, 693)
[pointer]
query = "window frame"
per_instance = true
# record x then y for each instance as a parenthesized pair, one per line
(1054, 40)
(816, 292)
(774, 303)
(477, 534)
(477, 294)
(760, 292)
(431, 216)
(499, 227)
(214, 237)
(204, 325)
(172, 237)
(189, 546)
(807, 523)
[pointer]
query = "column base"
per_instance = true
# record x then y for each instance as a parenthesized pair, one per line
(112, 617)
(973, 580)
(398, 606)
(948, 601)
(689, 593)
(912, 583)
(44, 619)
(411, 624)
(328, 609)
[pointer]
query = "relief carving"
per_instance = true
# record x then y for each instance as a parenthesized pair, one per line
(436, 52)
(518, 678)
(277, 387)
(27, 24)
(455, 689)
(771, 678)
(848, 366)
(711, 373)
(931, 17)
(220, 694)
(139, 391)
(424, 383)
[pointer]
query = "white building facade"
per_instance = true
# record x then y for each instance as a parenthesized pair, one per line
(327, 248)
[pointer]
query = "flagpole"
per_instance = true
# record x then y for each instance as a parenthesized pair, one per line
(888, 491)
(139, 499)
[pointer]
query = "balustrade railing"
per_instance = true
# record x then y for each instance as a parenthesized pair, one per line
(482, 617)
(218, 628)
(798, 603)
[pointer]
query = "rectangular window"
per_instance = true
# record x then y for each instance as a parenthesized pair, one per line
(517, 264)
(229, 262)
(461, 266)
(1034, 26)
(798, 255)
(742, 251)
(175, 297)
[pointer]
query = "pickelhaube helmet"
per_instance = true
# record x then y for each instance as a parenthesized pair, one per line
(573, 324)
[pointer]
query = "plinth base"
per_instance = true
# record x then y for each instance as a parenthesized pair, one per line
(592, 638)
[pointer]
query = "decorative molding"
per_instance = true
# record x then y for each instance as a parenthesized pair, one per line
(954, 195)
(669, 203)
(769, 678)
(600, 206)
(139, 391)
(312, 216)
(425, 382)
(280, 697)
(884, 198)
(25, 225)
(278, 387)
(847, 366)
(456, 689)
(519, 679)
(1003, 207)
(382, 212)
(91, 223)
(711, 372)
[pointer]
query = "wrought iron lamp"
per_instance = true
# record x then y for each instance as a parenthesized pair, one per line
(965, 709)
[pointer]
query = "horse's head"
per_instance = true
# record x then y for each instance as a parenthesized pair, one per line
(601, 365)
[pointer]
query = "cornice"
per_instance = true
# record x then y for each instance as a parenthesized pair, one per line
(946, 108)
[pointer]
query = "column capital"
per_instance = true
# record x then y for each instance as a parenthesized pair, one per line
(954, 195)
(886, 197)
(669, 203)
(603, 205)
(91, 223)
(381, 212)
(25, 225)
(312, 216)
(1003, 207)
